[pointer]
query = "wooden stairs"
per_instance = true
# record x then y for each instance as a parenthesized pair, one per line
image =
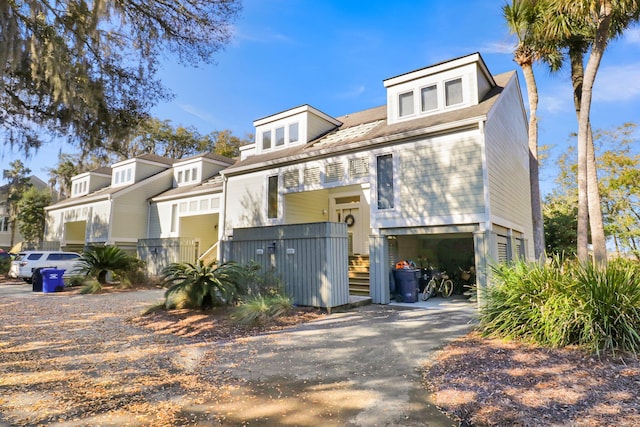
(359, 275)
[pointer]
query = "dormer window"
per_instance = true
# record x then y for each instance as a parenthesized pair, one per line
(187, 175)
(405, 104)
(453, 92)
(279, 136)
(429, 98)
(266, 140)
(293, 132)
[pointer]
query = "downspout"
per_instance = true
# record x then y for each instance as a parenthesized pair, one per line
(110, 220)
(222, 220)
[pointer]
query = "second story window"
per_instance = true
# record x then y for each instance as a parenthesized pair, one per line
(272, 197)
(293, 132)
(279, 136)
(429, 98)
(384, 171)
(179, 177)
(266, 140)
(453, 92)
(405, 104)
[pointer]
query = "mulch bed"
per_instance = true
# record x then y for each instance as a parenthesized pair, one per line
(490, 382)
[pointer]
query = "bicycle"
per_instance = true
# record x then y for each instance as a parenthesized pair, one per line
(439, 283)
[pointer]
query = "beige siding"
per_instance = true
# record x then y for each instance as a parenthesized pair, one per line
(144, 170)
(441, 178)
(129, 219)
(246, 205)
(508, 164)
(98, 226)
(310, 206)
(54, 226)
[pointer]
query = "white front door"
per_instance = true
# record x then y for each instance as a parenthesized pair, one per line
(348, 209)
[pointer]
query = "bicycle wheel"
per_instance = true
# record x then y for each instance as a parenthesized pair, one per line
(429, 290)
(447, 288)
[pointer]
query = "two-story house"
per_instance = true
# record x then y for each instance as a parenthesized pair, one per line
(108, 206)
(438, 175)
(9, 237)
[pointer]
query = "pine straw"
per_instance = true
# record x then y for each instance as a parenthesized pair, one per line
(489, 382)
(76, 360)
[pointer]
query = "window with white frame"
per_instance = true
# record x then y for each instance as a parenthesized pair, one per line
(174, 218)
(453, 92)
(293, 132)
(279, 136)
(272, 197)
(405, 104)
(194, 174)
(384, 172)
(179, 179)
(429, 98)
(128, 174)
(266, 140)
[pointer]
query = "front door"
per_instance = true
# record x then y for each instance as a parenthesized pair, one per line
(348, 210)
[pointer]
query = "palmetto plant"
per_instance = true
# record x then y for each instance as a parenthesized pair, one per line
(102, 259)
(200, 285)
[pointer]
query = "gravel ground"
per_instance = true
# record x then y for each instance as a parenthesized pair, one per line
(91, 360)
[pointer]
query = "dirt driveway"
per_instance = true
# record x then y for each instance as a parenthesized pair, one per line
(77, 360)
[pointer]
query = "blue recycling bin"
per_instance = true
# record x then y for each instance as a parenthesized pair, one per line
(52, 280)
(407, 284)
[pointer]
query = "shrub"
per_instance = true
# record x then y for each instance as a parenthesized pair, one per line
(201, 286)
(565, 303)
(258, 309)
(102, 259)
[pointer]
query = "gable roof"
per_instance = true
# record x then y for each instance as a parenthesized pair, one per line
(369, 128)
(209, 186)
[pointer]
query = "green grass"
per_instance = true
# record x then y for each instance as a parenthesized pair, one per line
(566, 303)
(258, 309)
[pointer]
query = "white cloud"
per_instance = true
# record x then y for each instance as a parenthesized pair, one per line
(617, 83)
(352, 93)
(497, 47)
(264, 35)
(196, 112)
(632, 35)
(555, 104)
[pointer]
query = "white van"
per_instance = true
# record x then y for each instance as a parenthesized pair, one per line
(23, 265)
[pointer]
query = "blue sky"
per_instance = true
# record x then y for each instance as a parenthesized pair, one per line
(334, 55)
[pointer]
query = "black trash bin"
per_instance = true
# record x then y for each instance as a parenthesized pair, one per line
(407, 284)
(36, 280)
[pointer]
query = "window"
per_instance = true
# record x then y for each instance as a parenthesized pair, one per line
(84, 186)
(429, 97)
(385, 181)
(187, 175)
(5, 223)
(405, 104)
(279, 136)
(453, 92)
(194, 174)
(266, 140)
(117, 177)
(174, 218)
(272, 198)
(122, 176)
(179, 177)
(293, 132)
(129, 174)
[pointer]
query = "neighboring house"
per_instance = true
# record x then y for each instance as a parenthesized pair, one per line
(183, 221)
(5, 223)
(108, 206)
(438, 175)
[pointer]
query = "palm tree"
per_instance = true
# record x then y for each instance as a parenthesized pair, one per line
(603, 20)
(521, 17)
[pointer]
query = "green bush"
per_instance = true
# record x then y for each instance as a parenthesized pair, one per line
(5, 265)
(258, 309)
(102, 259)
(201, 286)
(565, 303)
